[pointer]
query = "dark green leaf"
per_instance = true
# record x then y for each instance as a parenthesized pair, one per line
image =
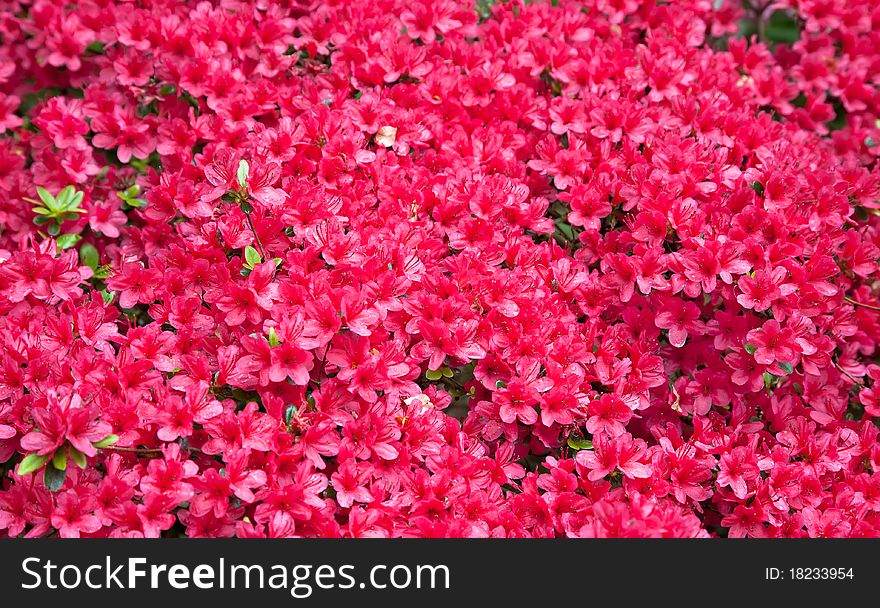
(289, 413)
(53, 478)
(782, 27)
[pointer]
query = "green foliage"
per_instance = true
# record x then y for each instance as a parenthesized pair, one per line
(89, 256)
(66, 241)
(51, 211)
(576, 443)
(53, 477)
(252, 257)
(106, 441)
(32, 462)
(59, 459)
(243, 173)
(782, 27)
(130, 198)
(439, 374)
(289, 413)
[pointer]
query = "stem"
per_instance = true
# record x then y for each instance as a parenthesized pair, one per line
(846, 373)
(759, 14)
(863, 305)
(256, 237)
(321, 373)
(134, 450)
(147, 450)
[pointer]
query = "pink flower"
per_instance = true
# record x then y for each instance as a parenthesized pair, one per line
(680, 318)
(526, 272)
(773, 343)
(760, 292)
(609, 455)
(106, 219)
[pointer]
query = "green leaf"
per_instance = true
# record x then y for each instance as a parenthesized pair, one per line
(750, 348)
(32, 462)
(53, 478)
(433, 374)
(576, 442)
(78, 458)
(106, 441)
(500, 384)
(73, 201)
(782, 27)
(246, 208)
(103, 271)
(46, 197)
(243, 171)
(54, 229)
(97, 47)
(273, 338)
(107, 296)
(65, 197)
(786, 367)
(252, 257)
(289, 413)
(88, 255)
(66, 241)
(447, 373)
(59, 458)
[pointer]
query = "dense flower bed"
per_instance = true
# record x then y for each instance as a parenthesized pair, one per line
(425, 268)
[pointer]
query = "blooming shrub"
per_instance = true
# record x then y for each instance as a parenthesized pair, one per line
(424, 268)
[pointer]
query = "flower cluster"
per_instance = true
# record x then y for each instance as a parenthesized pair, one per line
(430, 268)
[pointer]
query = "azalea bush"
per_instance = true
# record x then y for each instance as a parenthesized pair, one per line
(437, 268)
